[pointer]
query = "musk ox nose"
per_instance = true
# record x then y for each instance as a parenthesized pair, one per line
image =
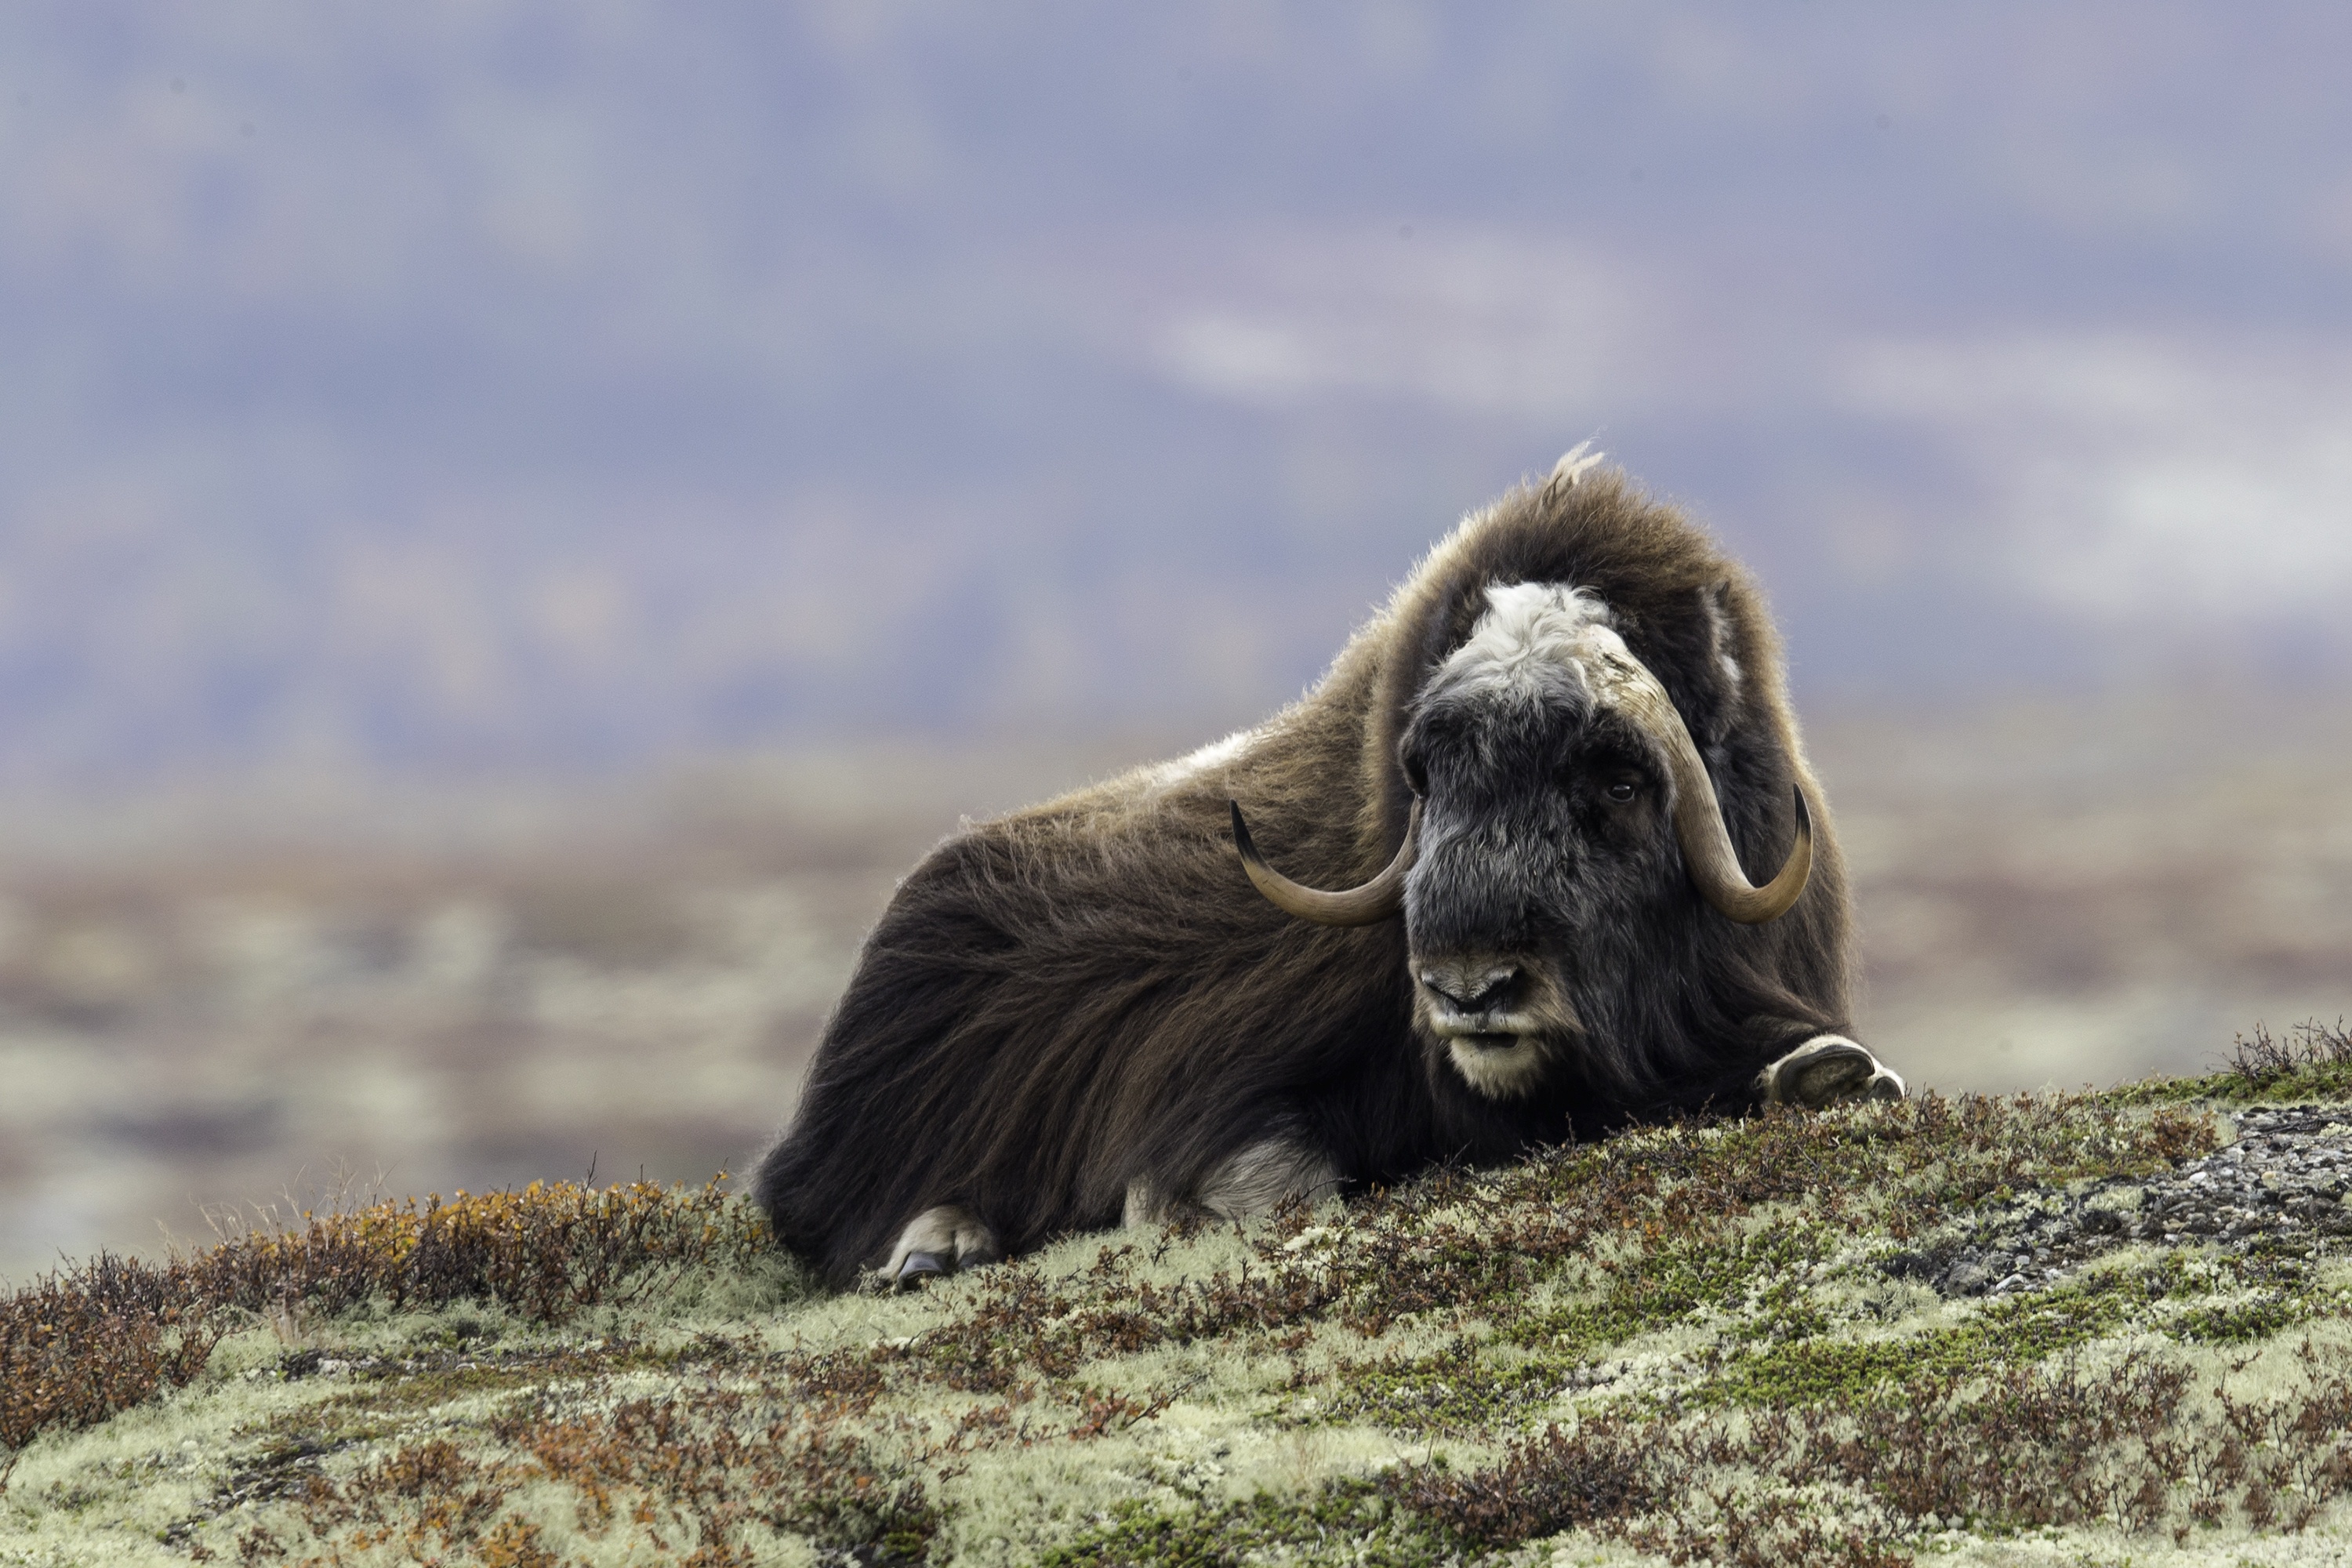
(1471, 987)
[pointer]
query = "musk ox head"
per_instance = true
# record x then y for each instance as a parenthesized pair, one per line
(1562, 818)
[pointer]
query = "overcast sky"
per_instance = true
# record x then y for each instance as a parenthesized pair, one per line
(541, 387)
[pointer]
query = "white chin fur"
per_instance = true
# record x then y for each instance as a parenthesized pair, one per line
(1498, 1072)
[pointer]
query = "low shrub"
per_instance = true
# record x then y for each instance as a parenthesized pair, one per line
(77, 1347)
(78, 1344)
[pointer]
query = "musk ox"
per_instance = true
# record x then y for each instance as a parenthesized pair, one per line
(1544, 777)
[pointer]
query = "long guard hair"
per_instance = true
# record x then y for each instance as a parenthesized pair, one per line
(1085, 992)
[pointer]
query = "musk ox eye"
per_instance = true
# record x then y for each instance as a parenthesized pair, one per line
(1622, 790)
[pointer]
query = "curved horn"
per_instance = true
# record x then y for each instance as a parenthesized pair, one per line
(1698, 817)
(1706, 850)
(1380, 899)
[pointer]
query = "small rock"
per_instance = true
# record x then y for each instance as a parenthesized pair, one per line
(1965, 1279)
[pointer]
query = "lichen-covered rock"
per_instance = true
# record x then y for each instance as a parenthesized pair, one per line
(2282, 1180)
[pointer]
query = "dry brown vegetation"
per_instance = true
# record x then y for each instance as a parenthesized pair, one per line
(80, 1344)
(1699, 1343)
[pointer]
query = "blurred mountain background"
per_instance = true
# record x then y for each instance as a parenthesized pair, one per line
(518, 521)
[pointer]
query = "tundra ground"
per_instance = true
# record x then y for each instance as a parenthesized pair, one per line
(2095, 1328)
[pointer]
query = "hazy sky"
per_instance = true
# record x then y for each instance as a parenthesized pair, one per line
(426, 385)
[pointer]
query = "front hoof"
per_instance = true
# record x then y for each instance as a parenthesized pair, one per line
(919, 1269)
(1825, 1071)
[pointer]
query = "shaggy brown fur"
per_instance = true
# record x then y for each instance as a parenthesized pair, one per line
(1089, 992)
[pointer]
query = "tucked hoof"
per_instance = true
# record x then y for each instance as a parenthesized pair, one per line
(1824, 1070)
(940, 1241)
(920, 1268)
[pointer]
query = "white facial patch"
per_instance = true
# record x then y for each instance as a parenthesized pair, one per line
(1534, 645)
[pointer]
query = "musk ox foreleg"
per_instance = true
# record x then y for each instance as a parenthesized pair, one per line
(1247, 1182)
(940, 1241)
(1825, 1070)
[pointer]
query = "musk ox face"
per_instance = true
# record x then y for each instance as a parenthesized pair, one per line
(1545, 840)
(1561, 816)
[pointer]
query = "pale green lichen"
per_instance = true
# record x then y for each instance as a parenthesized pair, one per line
(1717, 1316)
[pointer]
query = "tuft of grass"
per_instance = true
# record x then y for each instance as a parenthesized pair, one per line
(2312, 1061)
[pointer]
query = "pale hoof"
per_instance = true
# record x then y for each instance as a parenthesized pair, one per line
(940, 1240)
(1826, 1071)
(919, 1268)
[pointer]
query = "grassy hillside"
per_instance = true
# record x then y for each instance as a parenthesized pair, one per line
(2091, 1328)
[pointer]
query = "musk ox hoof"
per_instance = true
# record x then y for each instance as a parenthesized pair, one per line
(918, 1269)
(940, 1241)
(1825, 1071)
